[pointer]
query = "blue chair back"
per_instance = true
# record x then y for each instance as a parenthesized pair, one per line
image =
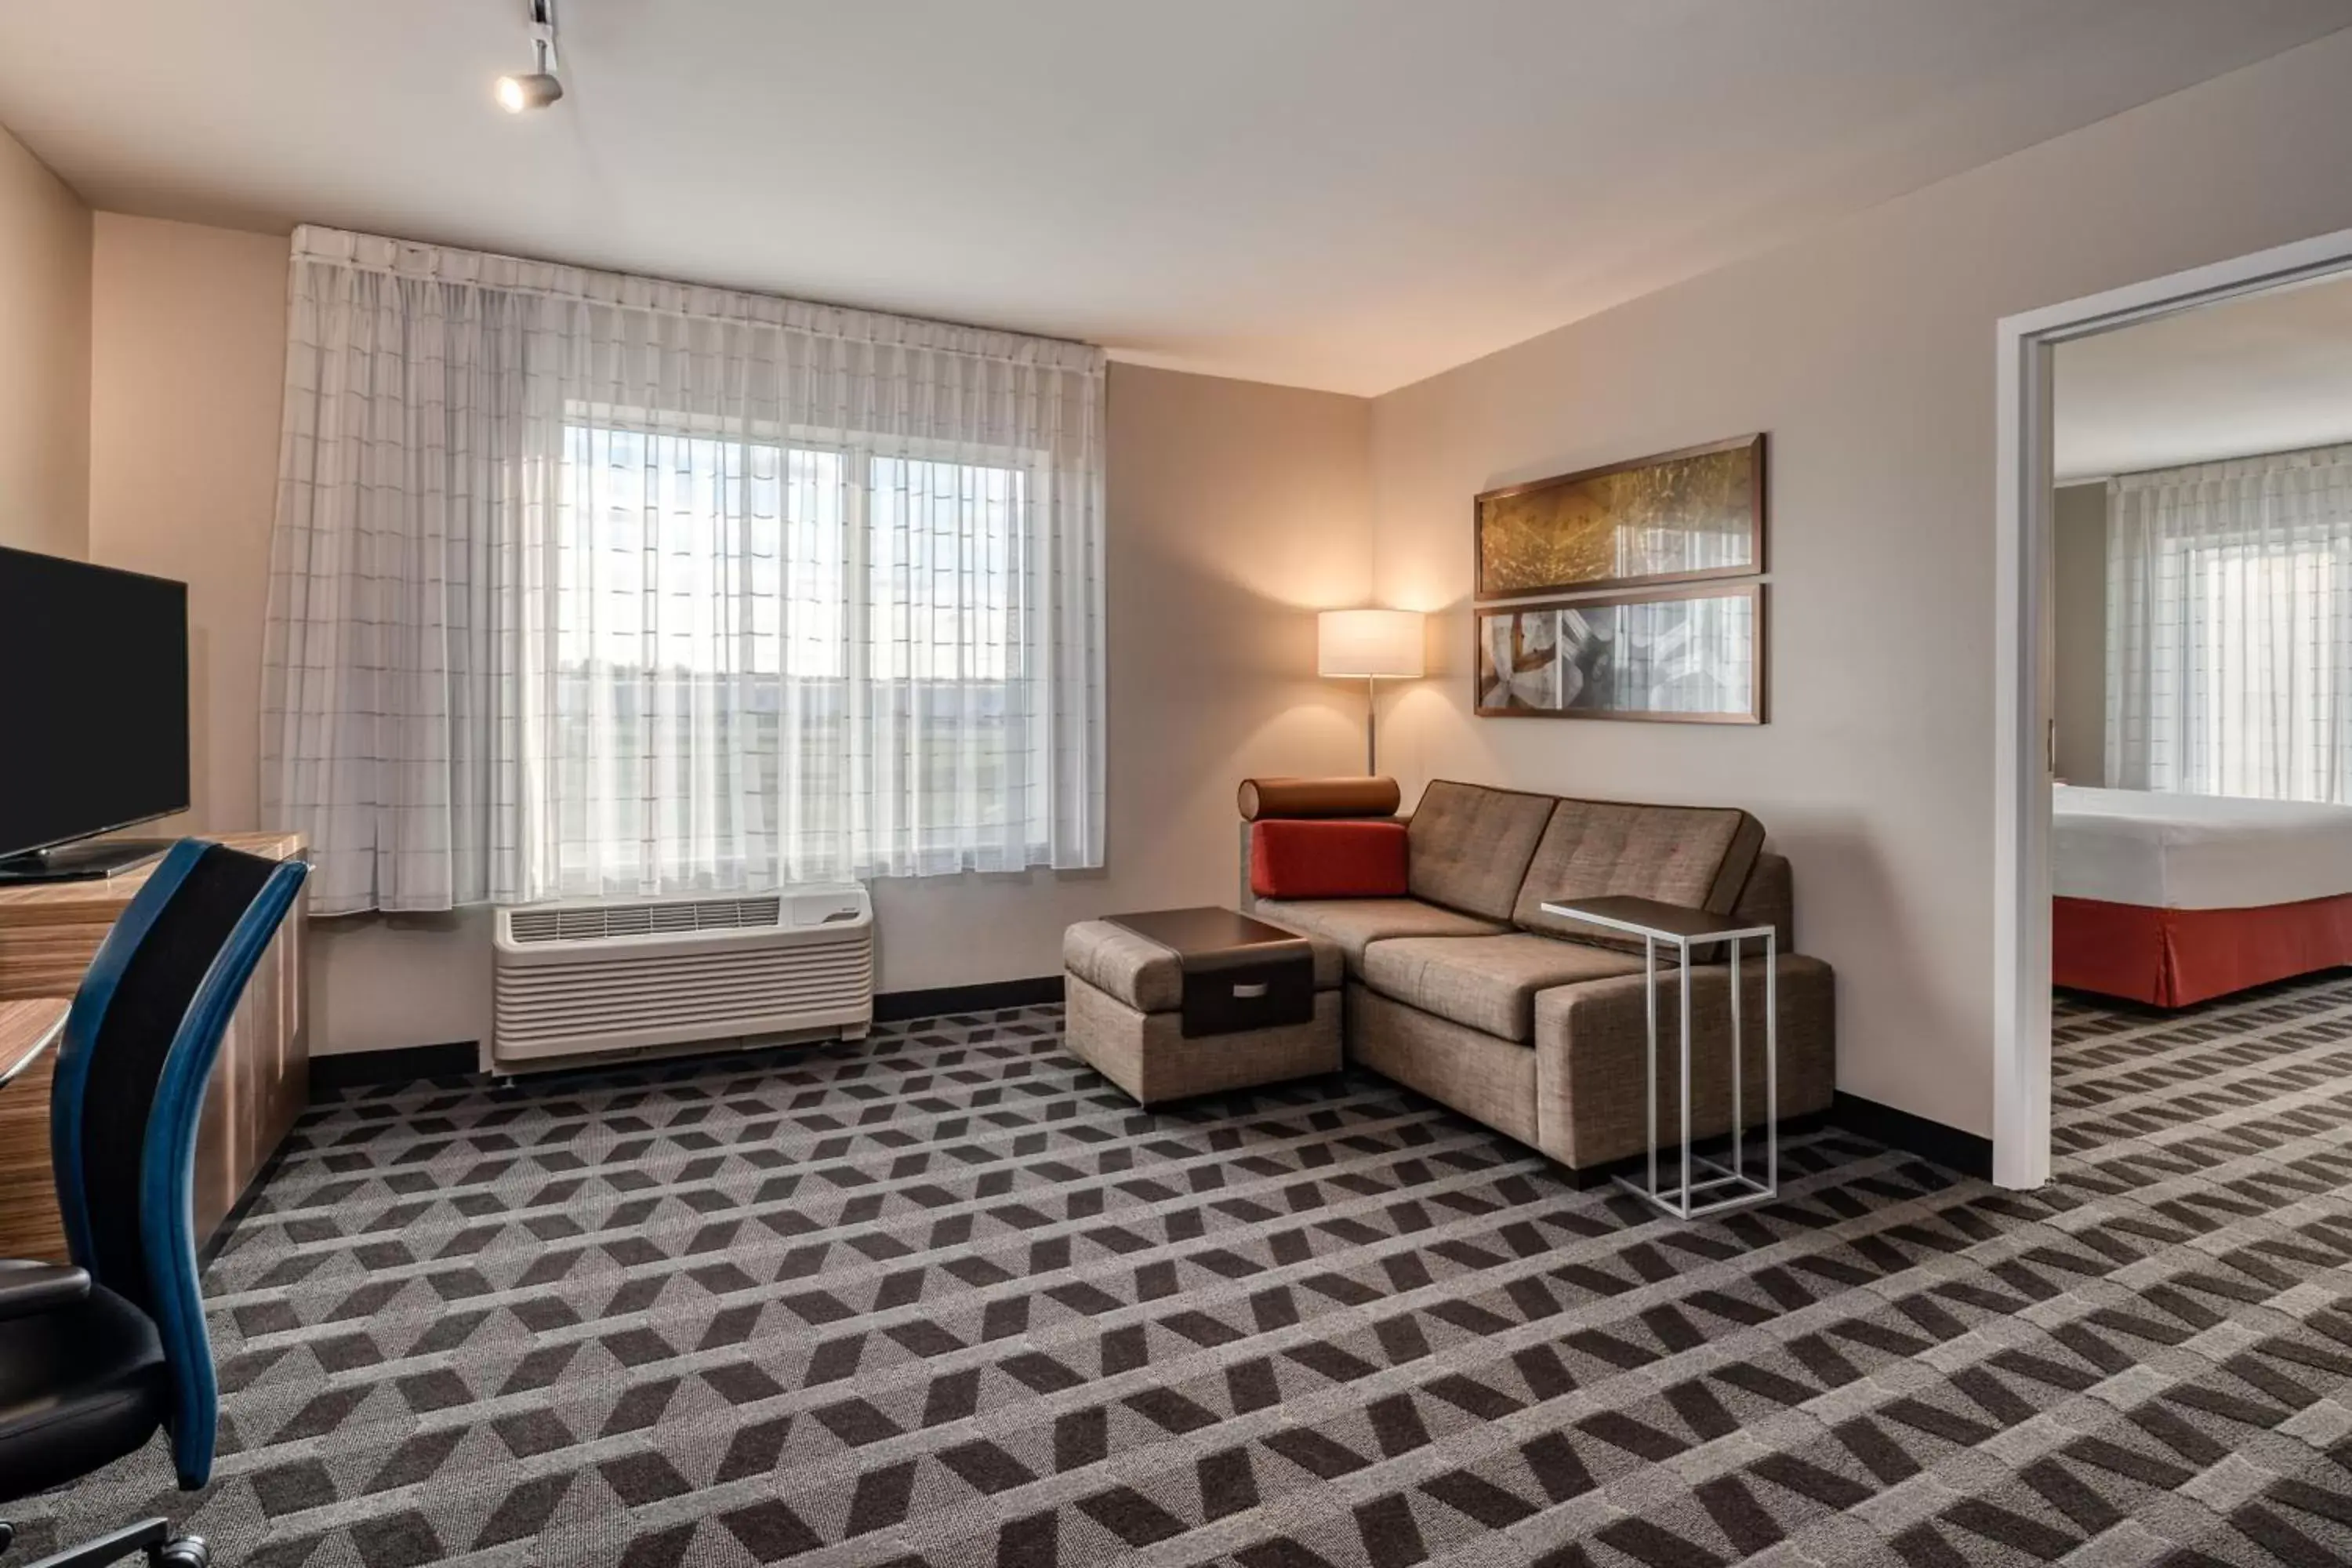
(138, 1050)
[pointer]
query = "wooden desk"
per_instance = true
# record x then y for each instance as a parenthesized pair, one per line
(49, 933)
(27, 1031)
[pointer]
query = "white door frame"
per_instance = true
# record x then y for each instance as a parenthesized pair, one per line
(2020, 1115)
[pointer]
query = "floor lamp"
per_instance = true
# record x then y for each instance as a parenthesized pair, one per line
(1369, 646)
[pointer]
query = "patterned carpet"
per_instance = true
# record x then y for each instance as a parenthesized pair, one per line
(946, 1300)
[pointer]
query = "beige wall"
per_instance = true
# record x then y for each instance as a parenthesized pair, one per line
(2078, 596)
(1867, 353)
(1236, 509)
(45, 248)
(187, 355)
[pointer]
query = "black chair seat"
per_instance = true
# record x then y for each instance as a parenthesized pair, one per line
(79, 1388)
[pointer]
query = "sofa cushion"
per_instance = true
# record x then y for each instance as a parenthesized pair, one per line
(1277, 799)
(1132, 968)
(1486, 982)
(1354, 923)
(1471, 844)
(1327, 859)
(1695, 855)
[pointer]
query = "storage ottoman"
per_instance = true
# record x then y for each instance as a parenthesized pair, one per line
(1185, 1001)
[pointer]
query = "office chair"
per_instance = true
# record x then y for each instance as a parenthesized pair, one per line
(97, 1357)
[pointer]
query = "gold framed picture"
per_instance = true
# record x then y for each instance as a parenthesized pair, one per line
(1675, 516)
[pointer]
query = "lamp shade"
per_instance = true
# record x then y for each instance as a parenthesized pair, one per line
(1357, 644)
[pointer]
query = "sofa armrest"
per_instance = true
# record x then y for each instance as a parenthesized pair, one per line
(1769, 898)
(1589, 1044)
(27, 1290)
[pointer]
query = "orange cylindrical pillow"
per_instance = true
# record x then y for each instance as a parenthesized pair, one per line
(1351, 796)
(1295, 858)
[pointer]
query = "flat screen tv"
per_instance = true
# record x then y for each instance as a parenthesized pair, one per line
(93, 714)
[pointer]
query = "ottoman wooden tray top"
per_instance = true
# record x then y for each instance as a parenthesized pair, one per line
(1174, 1003)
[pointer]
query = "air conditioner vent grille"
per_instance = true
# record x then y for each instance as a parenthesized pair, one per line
(674, 917)
(589, 980)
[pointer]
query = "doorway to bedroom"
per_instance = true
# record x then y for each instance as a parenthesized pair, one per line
(2188, 820)
(2202, 690)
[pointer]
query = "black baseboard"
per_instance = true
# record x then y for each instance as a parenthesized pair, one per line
(1947, 1146)
(897, 1006)
(364, 1069)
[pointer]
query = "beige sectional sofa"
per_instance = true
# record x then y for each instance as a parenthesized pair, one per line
(1467, 992)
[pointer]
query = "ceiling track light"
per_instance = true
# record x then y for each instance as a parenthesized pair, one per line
(539, 87)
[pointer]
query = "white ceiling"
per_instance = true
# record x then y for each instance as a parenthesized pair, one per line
(2266, 374)
(1345, 193)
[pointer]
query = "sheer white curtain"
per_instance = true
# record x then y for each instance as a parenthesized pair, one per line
(591, 584)
(2230, 628)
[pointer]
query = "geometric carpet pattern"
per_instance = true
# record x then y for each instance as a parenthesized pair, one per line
(946, 1300)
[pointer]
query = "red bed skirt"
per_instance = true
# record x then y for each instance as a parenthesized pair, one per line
(2171, 958)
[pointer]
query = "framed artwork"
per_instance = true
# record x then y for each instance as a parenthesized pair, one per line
(1691, 656)
(1678, 517)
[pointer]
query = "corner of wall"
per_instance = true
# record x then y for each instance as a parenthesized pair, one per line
(46, 233)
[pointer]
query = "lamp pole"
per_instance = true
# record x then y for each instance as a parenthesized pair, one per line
(1372, 726)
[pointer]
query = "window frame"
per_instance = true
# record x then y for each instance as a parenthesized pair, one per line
(1027, 640)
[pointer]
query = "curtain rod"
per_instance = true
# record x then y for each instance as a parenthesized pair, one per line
(741, 306)
(2329, 452)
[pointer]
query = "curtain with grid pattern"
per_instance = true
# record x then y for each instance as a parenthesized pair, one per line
(586, 584)
(2230, 628)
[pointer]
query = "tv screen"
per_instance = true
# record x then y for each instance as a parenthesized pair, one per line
(93, 700)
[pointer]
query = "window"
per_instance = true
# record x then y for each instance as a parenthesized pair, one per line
(786, 660)
(587, 585)
(2229, 629)
(2260, 678)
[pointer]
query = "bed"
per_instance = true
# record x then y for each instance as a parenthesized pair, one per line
(2172, 899)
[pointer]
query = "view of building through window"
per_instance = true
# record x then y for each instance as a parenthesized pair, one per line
(759, 642)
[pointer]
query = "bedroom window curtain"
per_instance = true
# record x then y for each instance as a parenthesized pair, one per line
(587, 585)
(2229, 629)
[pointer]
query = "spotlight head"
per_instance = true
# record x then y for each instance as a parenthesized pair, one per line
(537, 88)
(532, 89)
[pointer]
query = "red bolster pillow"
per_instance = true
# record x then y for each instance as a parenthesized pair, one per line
(1291, 859)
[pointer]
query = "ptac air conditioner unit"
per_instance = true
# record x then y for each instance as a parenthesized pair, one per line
(597, 979)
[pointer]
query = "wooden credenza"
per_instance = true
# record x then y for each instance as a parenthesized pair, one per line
(49, 933)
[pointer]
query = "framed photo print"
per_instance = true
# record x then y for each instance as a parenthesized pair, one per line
(1692, 655)
(1678, 517)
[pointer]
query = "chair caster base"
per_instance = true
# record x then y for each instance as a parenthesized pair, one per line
(151, 1538)
(181, 1552)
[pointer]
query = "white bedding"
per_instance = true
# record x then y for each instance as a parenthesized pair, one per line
(2196, 851)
